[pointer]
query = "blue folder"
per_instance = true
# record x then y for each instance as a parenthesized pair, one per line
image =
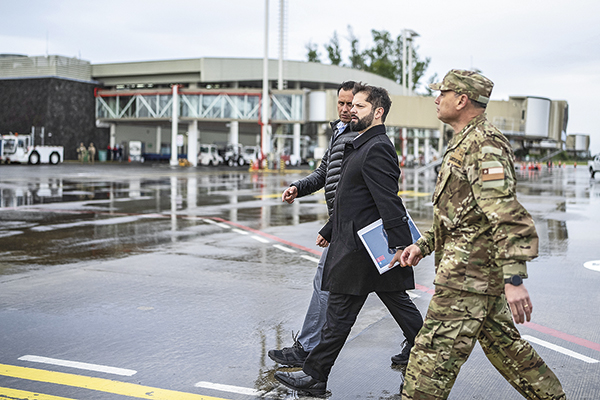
(375, 240)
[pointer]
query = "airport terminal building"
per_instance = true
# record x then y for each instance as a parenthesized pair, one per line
(189, 102)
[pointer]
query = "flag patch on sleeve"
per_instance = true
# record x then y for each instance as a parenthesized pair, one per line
(492, 174)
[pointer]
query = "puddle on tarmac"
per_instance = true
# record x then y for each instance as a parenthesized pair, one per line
(50, 220)
(57, 221)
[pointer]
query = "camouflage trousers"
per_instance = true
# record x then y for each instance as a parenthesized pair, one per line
(455, 321)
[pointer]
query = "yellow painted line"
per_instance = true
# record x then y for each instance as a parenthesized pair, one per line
(99, 384)
(400, 193)
(275, 195)
(267, 196)
(6, 393)
(412, 193)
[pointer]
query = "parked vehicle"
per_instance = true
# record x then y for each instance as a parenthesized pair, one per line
(250, 154)
(136, 151)
(20, 148)
(594, 165)
(209, 155)
(233, 155)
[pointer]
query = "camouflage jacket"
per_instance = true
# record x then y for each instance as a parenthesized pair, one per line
(480, 232)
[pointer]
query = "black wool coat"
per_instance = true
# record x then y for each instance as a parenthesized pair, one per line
(367, 191)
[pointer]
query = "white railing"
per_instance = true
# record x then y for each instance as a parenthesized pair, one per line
(198, 105)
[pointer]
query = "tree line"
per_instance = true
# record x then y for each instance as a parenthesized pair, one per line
(383, 57)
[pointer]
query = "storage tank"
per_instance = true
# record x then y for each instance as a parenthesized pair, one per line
(317, 106)
(537, 119)
(581, 142)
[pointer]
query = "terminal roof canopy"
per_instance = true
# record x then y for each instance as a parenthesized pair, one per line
(234, 72)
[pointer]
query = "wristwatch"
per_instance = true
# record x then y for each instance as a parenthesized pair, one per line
(514, 280)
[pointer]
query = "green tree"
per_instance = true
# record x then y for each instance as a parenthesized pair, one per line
(334, 52)
(357, 58)
(383, 58)
(433, 79)
(312, 52)
(419, 68)
(380, 57)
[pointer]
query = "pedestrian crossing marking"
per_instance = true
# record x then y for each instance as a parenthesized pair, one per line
(560, 349)
(98, 384)
(283, 248)
(80, 365)
(259, 239)
(309, 258)
(230, 388)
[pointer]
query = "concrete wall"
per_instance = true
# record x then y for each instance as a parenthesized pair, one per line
(418, 112)
(64, 107)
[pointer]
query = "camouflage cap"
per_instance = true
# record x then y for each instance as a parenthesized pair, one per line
(476, 86)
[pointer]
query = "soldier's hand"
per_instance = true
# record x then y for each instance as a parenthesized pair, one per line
(411, 256)
(289, 194)
(519, 302)
(321, 242)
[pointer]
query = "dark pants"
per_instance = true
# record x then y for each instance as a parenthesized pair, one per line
(342, 310)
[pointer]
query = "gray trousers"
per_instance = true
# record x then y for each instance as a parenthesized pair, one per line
(310, 335)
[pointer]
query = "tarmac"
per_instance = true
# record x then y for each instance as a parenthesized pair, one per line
(122, 280)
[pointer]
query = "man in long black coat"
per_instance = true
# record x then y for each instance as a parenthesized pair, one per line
(367, 191)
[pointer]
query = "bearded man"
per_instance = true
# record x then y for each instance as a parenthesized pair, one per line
(367, 191)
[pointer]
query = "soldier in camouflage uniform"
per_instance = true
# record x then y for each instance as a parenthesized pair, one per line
(482, 237)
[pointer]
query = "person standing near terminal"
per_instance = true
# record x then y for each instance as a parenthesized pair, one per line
(482, 237)
(92, 152)
(82, 153)
(367, 191)
(327, 176)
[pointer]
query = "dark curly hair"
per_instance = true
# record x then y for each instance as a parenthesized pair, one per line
(377, 96)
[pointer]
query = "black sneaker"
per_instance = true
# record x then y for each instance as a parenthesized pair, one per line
(402, 358)
(290, 356)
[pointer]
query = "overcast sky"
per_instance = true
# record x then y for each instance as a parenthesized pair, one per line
(547, 48)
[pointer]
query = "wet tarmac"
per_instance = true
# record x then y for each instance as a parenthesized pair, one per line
(188, 276)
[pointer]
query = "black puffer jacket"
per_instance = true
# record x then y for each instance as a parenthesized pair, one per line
(328, 173)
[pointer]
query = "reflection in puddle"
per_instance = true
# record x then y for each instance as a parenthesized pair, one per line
(61, 219)
(558, 237)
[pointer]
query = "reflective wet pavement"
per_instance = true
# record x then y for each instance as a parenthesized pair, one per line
(190, 275)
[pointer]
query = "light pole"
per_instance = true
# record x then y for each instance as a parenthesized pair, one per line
(265, 139)
(407, 62)
(174, 127)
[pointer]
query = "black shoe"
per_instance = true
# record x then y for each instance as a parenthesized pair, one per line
(402, 358)
(302, 382)
(291, 356)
